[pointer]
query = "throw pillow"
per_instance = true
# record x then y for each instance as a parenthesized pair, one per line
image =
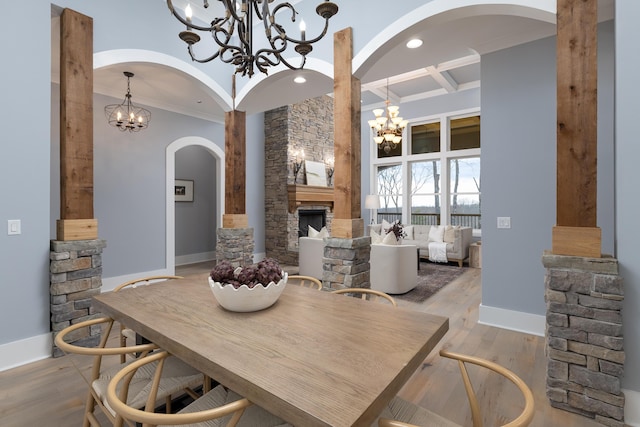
(450, 233)
(436, 233)
(323, 233)
(390, 239)
(313, 232)
(375, 237)
(318, 234)
(385, 226)
(409, 231)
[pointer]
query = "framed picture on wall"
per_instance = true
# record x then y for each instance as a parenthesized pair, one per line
(183, 190)
(316, 174)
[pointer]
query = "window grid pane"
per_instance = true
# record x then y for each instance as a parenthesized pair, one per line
(425, 138)
(425, 192)
(390, 191)
(465, 133)
(464, 186)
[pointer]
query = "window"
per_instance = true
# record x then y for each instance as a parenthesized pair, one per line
(425, 138)
(390, 192)
(465, 133)
(464, 187)
(425, 192)
(436, 179)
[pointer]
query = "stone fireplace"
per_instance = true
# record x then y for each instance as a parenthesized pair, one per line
(304, 126)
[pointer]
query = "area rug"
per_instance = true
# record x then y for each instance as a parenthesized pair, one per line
(431, 278)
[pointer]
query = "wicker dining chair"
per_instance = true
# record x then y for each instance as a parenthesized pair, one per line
(220, 404)
(401, 413)
(127, 334)
(179, 378)
(305, 281)
(368, 294)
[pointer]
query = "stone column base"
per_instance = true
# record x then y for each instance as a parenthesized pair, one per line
(346, 263)
(235, 245)
(584, 344)
(75, 277)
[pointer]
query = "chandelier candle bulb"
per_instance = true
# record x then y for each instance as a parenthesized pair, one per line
(303, 28)
(188, 13)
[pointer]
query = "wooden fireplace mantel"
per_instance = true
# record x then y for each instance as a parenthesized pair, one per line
(300, 195)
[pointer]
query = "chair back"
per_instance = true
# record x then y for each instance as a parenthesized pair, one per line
(143, 281)
(305, 281)
(525, 417)
(368, 294)
(117, 391)
(407, 414)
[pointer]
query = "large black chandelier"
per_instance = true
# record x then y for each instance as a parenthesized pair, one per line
(233, 33)
(127, 116)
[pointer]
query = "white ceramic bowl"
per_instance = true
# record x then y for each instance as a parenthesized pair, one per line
(245, 299)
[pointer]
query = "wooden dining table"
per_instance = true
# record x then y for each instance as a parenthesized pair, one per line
(313, 358)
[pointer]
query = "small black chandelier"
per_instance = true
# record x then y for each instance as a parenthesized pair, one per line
(237, 23)
(127, 116)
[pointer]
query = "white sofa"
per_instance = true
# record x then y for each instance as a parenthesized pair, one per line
(457, 248)
(394, 268)
(311, 252)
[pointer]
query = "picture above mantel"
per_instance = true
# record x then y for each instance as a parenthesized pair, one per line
(307, 195)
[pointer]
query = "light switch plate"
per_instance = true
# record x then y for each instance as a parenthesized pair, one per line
(504, 222)
(13, 226)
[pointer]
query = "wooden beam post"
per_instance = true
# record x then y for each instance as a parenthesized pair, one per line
(235, 170)
(76, 128)
(346, 88)
(576, 232)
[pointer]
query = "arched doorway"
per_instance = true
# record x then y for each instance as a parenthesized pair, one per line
(218, 155)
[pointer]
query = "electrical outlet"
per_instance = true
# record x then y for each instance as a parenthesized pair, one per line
(13, 226)
(504, 222)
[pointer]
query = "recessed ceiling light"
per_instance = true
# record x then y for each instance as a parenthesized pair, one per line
(299, 79)
(414, 43)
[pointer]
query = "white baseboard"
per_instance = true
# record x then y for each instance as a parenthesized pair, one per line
(194, 258)
(513, 320)
(631, 408)
(25, 351)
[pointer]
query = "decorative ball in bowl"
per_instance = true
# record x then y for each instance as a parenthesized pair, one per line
(243, 289)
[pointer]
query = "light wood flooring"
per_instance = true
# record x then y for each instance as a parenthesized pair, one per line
(51, 393)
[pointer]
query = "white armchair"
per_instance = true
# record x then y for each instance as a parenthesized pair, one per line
(311, 252)
(394, 268)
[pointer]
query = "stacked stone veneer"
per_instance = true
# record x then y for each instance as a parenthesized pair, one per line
(346, 263)
(305, 126)
(75, 277)
(584, 343)
(235, 245)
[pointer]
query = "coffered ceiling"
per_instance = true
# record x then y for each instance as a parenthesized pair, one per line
(448, 61)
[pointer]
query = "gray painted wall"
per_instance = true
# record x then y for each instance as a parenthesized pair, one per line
(519, 168)
(24, 172)
(627, 201)
(196, 222)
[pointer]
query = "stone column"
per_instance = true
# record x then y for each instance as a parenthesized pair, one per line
(235, 245)
(346, 263)
(76, 276)
(584, 344)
